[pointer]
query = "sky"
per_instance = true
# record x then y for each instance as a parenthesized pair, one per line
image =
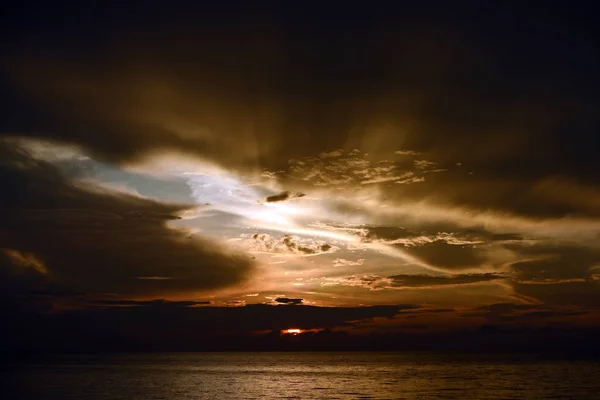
(173, 173)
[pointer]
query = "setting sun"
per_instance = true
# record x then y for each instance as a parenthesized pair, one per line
(292, 331)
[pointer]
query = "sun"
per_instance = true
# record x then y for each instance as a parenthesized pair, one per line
(292, 331)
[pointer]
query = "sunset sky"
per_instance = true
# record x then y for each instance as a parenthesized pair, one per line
(232, 167)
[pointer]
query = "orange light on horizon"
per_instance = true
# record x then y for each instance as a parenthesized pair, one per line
(292, 331)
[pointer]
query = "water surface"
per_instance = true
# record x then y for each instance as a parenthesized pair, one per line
(300, 376)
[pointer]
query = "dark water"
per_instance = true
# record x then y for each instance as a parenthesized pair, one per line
(300, 376)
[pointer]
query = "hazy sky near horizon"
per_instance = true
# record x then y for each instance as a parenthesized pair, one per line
(437, 157)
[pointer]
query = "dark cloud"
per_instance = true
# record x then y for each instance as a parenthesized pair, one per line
(286, 300)
(110, 325)
(353, 169)
(430, 232)
(454, 249)
(464, 109)
(276, 86)
(505, 308)
(294, 246)
(545, 269)
(97, 241)
(584, 293)
(163, 325)
(283, 196)
(376, 282)
(554, 261)
(552, 314)
(247, 318)
(509, 314)
(430, 280)
(429, 311)
(264, 242)
(546, 195)
(558, 273)
(152, 303)
(450, 257)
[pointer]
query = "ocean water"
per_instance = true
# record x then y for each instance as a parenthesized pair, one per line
(300, 376)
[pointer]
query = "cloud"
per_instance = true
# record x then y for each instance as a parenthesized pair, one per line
(424, 164)
(25, 260)
(97, 241)
(283, 196)
(341, 262)
(424, 233)
(407, 153)
(287, 244)
(370, 282)
(446, 251)
(517, 139)
(450, 257)
(430, 281)
(415, 240)
(504, 308)
(376, 282)
(585, 293)
(147, 303)
(554, 260)
(510, 314)
(331, 154)
(249, 317)
(351, 170)
(556, 272)
(174, 98)
(180, 326)
(111, 325)
(286, 300)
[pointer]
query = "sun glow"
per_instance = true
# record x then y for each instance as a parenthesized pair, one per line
(292, 331)
(242, 202)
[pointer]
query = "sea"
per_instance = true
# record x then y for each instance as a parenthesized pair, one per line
(300, 375)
